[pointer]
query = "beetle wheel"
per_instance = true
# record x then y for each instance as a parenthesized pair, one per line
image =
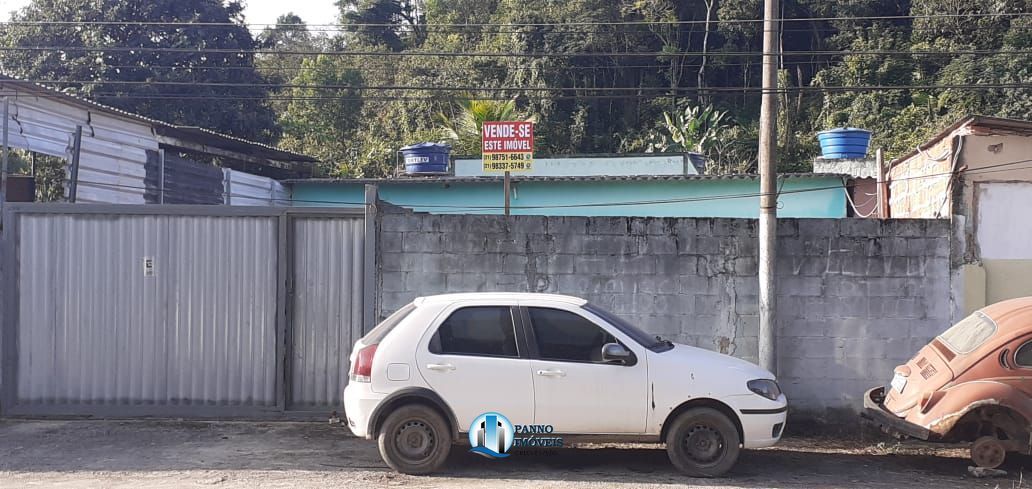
(988, 452)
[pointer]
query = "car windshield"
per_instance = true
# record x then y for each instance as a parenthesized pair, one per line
(652, 342)
(967, 335)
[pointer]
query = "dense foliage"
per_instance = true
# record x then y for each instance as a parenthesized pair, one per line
(676, 95)
(110, 71)
(566, 72)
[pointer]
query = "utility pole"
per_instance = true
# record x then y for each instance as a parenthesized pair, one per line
(5, 156)
(768, 187)
(882, 193)
(506, 186)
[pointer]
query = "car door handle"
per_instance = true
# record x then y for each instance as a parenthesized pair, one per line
(551, 373)
(440, 367)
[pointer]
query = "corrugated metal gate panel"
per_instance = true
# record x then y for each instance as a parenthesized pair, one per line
(93, 330)
(327, 308)
(88, 320)
(222, 315)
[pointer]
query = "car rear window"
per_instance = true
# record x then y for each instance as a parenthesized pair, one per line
(967, 335)
(479, 331)
(381, 330)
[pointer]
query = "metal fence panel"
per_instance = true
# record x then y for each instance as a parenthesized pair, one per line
(247, 189)
(89, 318)
(145, 312)
(326, 319)
(222, 313)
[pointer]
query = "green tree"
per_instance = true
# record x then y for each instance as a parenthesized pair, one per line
(729, 147)
(686, 53)
(325, 126)
(97, 59)
(394, 24)
(465, 124)
(282, 65)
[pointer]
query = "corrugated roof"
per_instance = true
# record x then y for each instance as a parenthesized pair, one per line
(207, 136)
(594, 178)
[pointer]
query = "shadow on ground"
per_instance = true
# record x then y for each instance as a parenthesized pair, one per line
(161, 446)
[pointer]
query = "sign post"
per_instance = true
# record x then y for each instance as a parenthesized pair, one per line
(507, 146)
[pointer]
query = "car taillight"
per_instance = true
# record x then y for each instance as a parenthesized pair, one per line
(362, 370)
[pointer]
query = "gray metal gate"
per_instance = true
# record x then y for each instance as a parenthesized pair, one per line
(327, 307)
(178, 310)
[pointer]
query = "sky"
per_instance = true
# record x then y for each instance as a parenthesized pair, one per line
(255, 11)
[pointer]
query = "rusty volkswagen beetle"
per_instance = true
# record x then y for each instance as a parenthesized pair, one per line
(971, 384)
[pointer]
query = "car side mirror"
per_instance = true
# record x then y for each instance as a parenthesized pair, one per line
(617, 353)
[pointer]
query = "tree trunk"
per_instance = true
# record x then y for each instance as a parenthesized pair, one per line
(705, 46)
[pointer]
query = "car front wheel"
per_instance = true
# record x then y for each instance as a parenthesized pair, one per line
(703, 442)
(414, 439)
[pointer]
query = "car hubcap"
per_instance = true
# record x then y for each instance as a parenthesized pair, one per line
(704, 444)
(415, 440)
(988, 452)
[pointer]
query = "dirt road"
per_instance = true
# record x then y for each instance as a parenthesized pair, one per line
(296, 455)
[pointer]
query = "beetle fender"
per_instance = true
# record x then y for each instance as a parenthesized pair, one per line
(947, 409)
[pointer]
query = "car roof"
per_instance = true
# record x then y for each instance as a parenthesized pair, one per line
(1012, 317)
(500, 296)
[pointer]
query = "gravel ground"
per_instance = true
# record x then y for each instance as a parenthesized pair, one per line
(293, 455)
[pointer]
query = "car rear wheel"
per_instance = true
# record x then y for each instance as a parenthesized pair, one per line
(988, 452)
(414, 439)
(703, 442)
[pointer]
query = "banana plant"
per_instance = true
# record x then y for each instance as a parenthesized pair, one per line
(463, 127)
(695, 128)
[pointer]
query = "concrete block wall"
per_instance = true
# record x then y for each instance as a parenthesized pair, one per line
(856, 296)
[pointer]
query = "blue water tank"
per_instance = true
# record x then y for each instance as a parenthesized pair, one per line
(844, 142)
(426, 158)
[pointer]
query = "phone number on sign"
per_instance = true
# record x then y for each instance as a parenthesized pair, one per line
(508, 161)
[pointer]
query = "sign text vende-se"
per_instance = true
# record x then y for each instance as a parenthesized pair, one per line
(508, 146)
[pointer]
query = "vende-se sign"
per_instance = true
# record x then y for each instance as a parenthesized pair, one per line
(508, 146)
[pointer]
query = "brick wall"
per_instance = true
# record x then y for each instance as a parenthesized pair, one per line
(856, 297)
(918, 186)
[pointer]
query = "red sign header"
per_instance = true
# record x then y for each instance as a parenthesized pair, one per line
(508, 137)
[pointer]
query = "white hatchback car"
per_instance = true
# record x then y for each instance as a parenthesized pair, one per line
(559, 368)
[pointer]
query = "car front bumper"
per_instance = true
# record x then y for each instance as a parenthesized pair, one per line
(763, 421)
(875, 414)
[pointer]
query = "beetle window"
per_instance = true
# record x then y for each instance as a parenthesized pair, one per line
(969, 333)
(1023, 357)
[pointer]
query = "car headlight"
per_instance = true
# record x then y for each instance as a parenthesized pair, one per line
(765, 387)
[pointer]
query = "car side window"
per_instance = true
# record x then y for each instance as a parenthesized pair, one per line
(1023, 357)
(480, 331)
(565, 336)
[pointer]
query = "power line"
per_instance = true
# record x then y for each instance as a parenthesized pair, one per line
(647, 30)
(528, 24)
(714, 61)
(690, 90)
(475, 88)
(495, 54)
(459, 208)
